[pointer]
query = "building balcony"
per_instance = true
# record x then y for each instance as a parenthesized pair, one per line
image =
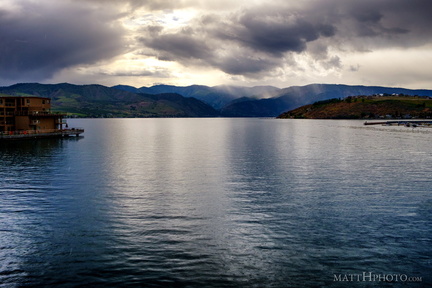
(39, 113)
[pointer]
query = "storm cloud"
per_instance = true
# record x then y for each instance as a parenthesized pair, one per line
(38, 40)
(247, 42)
(258, 39)
(252, 40)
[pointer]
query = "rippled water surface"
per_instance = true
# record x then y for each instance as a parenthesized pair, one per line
(217, 203)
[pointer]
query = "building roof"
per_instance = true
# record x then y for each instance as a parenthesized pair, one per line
(29, 96)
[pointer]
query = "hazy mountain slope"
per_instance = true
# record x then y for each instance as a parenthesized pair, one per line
(183, 106)
(211, 96)
(217, 96)
(296, 96)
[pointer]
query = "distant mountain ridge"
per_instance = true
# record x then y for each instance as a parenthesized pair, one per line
(101, 101)
(217, 96)
(191, 101)
(268, 101)
(296, 96)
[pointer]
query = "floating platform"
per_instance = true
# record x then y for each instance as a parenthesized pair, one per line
(36, 134)
(410, 123)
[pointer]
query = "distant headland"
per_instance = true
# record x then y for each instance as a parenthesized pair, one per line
(381, 106)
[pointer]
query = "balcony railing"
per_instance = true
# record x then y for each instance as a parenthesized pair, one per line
(38, 113)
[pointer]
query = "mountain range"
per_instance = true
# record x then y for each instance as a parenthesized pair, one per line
(101, 101)
(268, 101)
(191, 101)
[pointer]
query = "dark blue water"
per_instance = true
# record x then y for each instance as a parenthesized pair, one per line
(217, 203)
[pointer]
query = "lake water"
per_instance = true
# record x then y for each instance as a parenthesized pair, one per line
(218, 203)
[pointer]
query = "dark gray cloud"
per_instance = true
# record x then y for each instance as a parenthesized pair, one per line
(238, 64)
(151, 5)
(276, 32)
(248, 42)
(257, 39)
(395, 22)
(186, 44)
(39, 40)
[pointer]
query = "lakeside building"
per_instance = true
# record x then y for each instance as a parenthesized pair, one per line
(30, 115)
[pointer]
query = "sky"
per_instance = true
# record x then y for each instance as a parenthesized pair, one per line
(226, 42)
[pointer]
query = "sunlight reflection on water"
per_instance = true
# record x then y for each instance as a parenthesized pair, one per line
(215, 202)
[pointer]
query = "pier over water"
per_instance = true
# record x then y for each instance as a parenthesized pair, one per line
(413, 123)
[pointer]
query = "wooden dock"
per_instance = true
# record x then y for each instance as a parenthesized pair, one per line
(36, 134)
(408, 123)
